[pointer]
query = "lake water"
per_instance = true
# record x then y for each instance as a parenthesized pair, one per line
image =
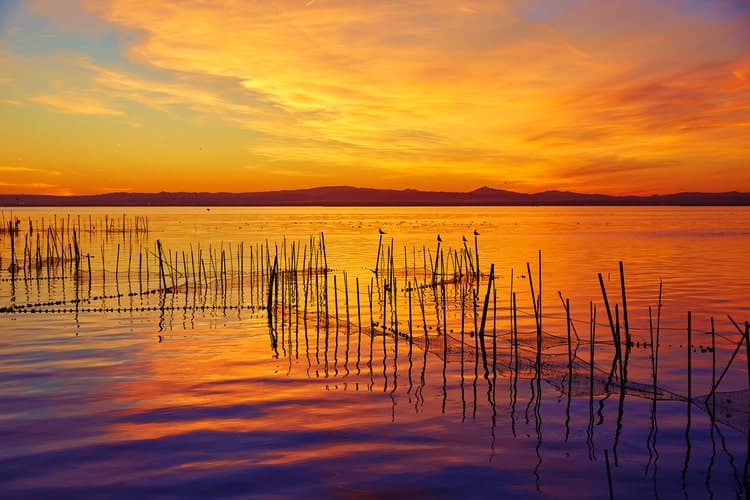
(118, 379)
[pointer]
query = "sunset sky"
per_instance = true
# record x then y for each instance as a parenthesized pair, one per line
(620, 96)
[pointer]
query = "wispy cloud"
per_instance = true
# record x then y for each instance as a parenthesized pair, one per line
(38, 185)
(17, 179)
(34, 188)
(76, 103)
(13, 169)
(5, 168)
(162, 95)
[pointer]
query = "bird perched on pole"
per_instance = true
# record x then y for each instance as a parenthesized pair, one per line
(437, 256)
(380, 244)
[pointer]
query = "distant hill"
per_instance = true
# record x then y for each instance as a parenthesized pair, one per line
(353, 196)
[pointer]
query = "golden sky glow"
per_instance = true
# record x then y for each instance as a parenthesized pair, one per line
(628, 96)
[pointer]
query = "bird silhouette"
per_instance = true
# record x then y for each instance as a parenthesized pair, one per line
(380, 230)
(476, 233)
(464, 239)
(439, 238)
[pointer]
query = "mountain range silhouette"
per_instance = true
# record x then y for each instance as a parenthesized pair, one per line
(356, 196)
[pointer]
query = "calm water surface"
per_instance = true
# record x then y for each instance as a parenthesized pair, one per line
(108, 389)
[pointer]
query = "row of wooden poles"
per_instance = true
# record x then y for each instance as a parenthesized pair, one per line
(48, 244)
(221, 270)
(470, 292)
(105, 224)
(295, 276)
